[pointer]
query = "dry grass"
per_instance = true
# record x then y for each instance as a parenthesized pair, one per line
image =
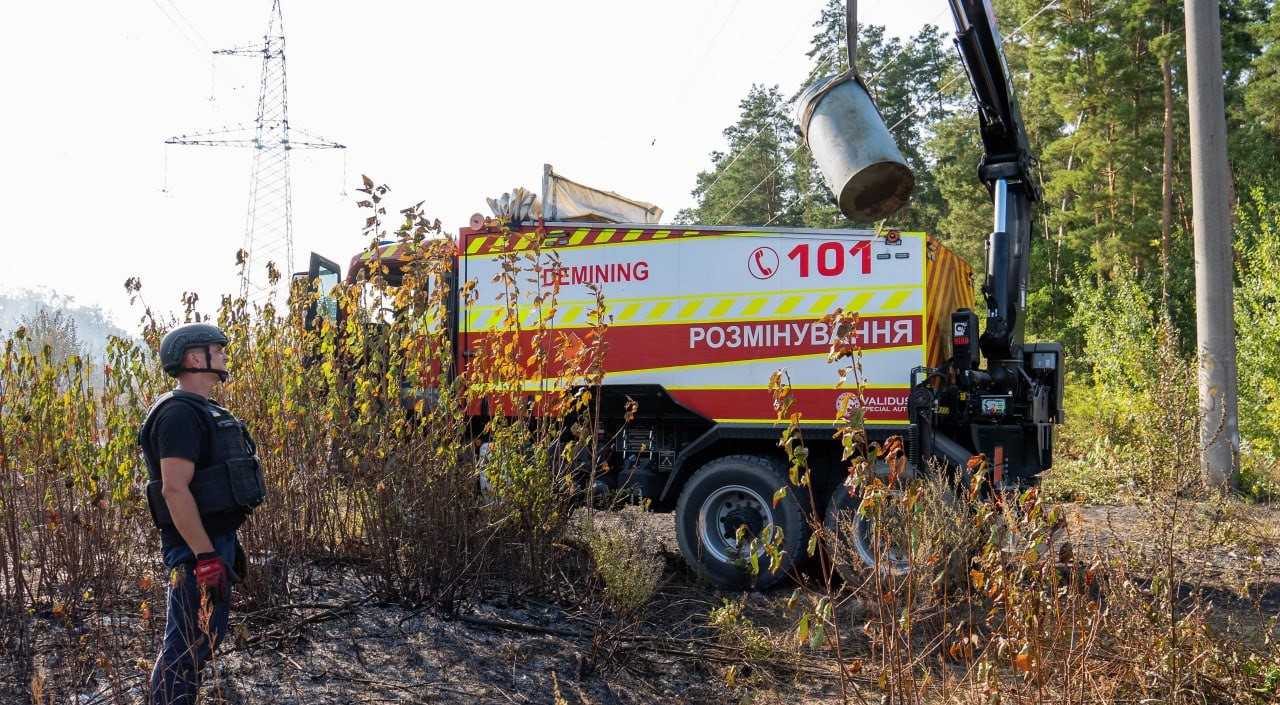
(626, 558)
(357, 470)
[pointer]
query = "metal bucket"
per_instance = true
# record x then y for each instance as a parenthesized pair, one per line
(853, 148)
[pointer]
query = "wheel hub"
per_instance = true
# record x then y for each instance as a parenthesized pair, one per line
(727, 510)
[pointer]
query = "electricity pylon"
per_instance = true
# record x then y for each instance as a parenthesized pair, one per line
(268, 230)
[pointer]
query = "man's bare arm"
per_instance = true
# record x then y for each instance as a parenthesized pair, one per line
(175, 477)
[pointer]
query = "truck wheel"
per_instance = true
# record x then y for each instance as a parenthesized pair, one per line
(851, 538)
(728, 493)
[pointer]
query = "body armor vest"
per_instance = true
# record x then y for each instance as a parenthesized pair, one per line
(229, 481)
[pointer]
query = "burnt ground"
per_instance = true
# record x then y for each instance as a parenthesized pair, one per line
(1226, 555)
(331, 645)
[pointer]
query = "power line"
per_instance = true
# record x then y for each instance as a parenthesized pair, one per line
(682, 94)
(743, 150)
(906, 46)
(758, 185)
(203, 49)
(706, 51)
(190, 25)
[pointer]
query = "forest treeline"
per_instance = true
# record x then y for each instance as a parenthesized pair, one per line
(1103, 91)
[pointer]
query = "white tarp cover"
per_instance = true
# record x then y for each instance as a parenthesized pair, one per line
(563, 199)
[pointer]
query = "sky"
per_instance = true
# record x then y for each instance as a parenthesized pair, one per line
(445, 102)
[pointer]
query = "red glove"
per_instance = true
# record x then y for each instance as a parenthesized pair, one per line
(212, 577)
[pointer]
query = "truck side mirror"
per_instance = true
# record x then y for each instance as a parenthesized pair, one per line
(328, 273)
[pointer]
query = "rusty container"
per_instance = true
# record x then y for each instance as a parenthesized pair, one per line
(853, 148)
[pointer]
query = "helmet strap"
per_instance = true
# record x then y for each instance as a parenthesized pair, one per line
(223, 375)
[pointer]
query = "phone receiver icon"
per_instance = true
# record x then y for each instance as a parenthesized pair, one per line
(764, 269)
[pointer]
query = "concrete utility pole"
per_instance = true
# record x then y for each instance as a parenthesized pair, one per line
(1211, 221)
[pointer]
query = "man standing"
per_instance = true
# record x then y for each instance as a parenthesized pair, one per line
(204, 481)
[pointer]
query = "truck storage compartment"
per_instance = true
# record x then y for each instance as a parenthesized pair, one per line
(710, 313)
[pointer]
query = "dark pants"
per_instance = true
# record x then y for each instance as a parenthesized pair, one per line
(188, 641)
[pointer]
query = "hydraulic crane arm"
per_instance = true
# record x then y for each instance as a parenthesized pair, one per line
(1005, 169)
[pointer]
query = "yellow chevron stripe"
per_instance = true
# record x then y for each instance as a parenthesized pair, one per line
(824, 304)
(661, 234)
(578, 236)
(895, 300)
(870, 290)
(628, 312)
(788, 304)
(476, 244)
(860, 301)
(713, 308)
(658, 310)
(473, 321)
(722, 307)
(571, 314)
(604, 236)
(754, 307)
(632, 235)
(689, 309)
(696, 319)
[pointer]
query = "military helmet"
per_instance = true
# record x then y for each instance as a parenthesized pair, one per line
(189, 335)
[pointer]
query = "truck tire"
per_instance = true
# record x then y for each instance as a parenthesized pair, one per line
(729, 492)
(850, 539)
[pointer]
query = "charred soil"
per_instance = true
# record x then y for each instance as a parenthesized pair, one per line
(334, 641)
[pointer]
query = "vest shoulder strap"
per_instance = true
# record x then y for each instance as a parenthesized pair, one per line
(194, 403)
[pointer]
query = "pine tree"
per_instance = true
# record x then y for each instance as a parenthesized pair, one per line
(1262, 95)
(752, 183)
(1253, 127)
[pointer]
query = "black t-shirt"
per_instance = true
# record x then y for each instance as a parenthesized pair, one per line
(179, 431)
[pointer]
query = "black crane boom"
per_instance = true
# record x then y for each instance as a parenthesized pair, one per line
(1005, 169)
